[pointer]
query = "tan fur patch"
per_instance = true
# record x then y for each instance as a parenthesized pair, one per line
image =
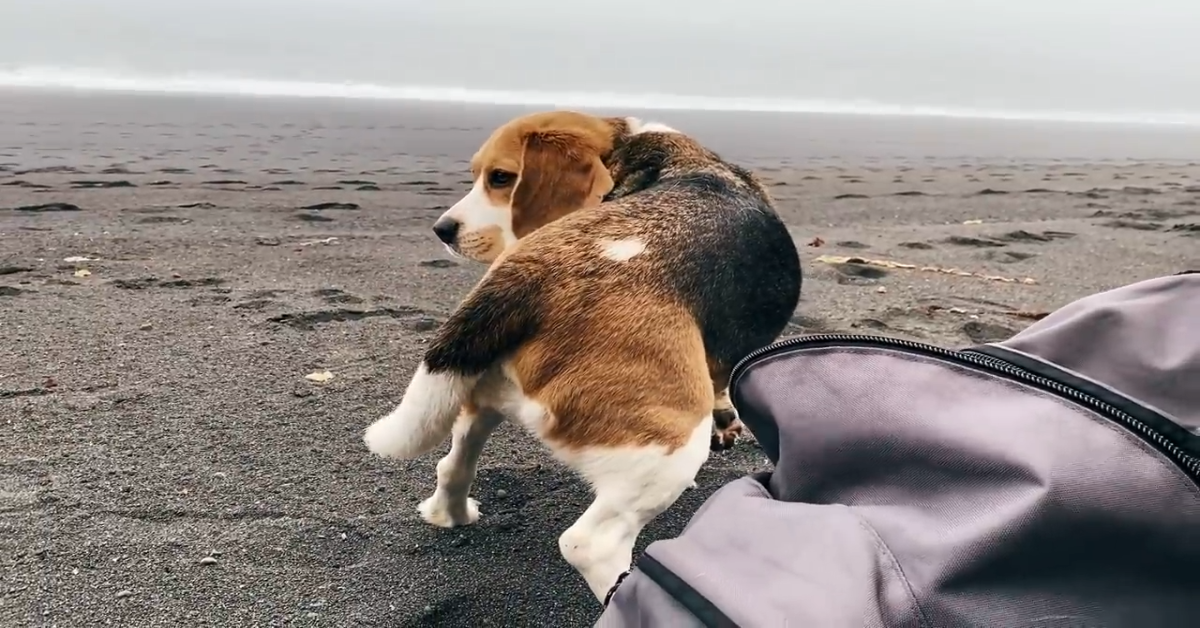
(560, 174)
(632, 372)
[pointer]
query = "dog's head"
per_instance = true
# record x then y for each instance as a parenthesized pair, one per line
(530, 171)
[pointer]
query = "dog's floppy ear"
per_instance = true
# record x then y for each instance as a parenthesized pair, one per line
(560, 173)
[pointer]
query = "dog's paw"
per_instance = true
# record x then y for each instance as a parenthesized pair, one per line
(726, 435)
(437, 511)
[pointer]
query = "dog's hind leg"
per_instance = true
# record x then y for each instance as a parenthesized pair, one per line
(727, 427)
(450, 504)
(632, 486)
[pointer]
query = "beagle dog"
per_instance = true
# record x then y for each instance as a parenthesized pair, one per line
(630, 269)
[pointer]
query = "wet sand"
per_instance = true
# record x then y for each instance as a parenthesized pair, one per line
(171, 269)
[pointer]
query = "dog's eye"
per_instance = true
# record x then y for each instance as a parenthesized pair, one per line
(501, 178)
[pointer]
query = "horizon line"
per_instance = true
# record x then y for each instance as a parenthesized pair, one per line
(208, 84)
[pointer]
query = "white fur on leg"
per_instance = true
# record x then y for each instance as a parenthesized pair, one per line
(437, 511)
(632, 485)
(424, 417)
(449, 505)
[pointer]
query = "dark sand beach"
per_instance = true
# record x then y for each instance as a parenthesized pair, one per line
(171, 269)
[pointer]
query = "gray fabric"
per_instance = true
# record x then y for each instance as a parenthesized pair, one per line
(1142, 340)
(912, 492)
(640, 603)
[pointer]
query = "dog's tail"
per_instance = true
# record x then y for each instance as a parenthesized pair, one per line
(500, 314)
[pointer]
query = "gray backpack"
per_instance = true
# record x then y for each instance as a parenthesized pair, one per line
(1050, 480)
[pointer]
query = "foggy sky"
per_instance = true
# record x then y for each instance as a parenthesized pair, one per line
(1085, 55)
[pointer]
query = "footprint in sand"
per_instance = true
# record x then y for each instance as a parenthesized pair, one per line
(850, 273)
(1187, 230)
(1005, 257)
(1139, 191)
(151, 220)
(258, 300)
(254, 304)
(803, 324)
(416, 319)
(50, 170)
(972, 242)
(980, 333)
(209, 299)
(26, 184)
(1021, 235)
(1158, 214)
(331, 205)
(48, 207)
(143, 283)
(334, 295)
(89, 185)
(1135, 225)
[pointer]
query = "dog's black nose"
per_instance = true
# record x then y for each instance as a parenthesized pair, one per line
(446, 229)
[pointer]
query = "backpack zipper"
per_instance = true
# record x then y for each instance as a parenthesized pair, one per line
(972, 358)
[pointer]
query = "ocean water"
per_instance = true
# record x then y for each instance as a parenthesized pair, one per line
(200, 83)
